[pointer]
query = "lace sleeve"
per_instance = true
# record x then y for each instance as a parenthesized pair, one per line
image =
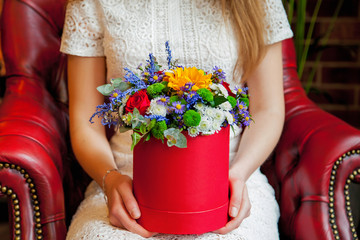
(83, 29)
(276, 23)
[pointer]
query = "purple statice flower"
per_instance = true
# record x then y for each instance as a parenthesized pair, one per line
(168, 51)
(163, 100)
(157, 117)
(192, 98)
(132, 78)
(178, 107)
(187, 87)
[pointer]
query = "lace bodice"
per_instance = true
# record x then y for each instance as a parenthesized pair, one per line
(126, 31)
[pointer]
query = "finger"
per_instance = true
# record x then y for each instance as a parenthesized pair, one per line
(130, 201)
(235, 222)
(119, 217)
(236, 189)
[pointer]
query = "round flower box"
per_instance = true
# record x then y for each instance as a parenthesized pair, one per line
(183, 190)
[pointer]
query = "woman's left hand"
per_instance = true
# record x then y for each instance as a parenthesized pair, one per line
(239, 206)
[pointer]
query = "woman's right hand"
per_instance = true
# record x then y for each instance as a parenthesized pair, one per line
(123, 207)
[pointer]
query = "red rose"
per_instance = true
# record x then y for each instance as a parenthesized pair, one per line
(139, 100)
(226, 85)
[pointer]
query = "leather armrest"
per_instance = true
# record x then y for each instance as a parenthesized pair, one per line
(316, 158)
(32, 144)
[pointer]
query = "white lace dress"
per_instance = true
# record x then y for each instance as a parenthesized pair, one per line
(125, 32)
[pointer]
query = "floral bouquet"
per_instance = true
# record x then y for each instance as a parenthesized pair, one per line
(165, 103)
(181, 190)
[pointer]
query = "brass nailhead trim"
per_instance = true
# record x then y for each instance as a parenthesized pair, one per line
(17, 212)
(346, 193)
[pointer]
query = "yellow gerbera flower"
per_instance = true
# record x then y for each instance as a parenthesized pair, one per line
(179, 77)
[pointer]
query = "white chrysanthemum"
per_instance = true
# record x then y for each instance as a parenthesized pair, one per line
(156, 109)
(219, 116)
(204, 125)
(199, 106)
(216, 126)
(209, 112)
(193, 131)
(219, 89)
(225, 106)
(229, 117)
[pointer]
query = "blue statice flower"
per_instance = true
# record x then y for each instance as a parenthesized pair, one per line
(151, 68)
(132, 78)
(104, 112)
(157, 117)
(169, 57)
(178, 107)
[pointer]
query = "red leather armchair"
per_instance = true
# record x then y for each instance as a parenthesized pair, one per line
(311, 169)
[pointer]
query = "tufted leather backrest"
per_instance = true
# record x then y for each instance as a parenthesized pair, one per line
(32, 30)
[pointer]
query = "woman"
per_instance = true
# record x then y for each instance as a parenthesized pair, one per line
(242, 37)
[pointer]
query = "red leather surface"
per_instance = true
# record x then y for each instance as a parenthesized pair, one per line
(33, 124)
(300, 169)
(33, 134)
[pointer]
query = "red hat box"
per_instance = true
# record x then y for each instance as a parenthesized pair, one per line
(183, 190)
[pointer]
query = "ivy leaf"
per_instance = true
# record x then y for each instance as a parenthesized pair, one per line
(106, 89)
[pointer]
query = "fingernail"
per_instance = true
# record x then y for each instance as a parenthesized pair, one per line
(234, 211)
(135, 213)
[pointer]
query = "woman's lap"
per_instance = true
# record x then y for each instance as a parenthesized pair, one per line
(91, 222)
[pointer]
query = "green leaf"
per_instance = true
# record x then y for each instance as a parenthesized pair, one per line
(175, 138)
(115, 81)
(147, 137)
(135, 139)
(106, 89)
(181, 141)
(143, 128)
(151, 124)
(219, 100)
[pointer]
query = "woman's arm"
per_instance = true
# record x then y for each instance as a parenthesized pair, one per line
(258, 141)
(90, 144)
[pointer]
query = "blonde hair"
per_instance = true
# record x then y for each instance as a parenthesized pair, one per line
(247, 20)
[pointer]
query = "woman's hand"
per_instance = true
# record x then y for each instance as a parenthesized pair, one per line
(239, 207)
(123, 207)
